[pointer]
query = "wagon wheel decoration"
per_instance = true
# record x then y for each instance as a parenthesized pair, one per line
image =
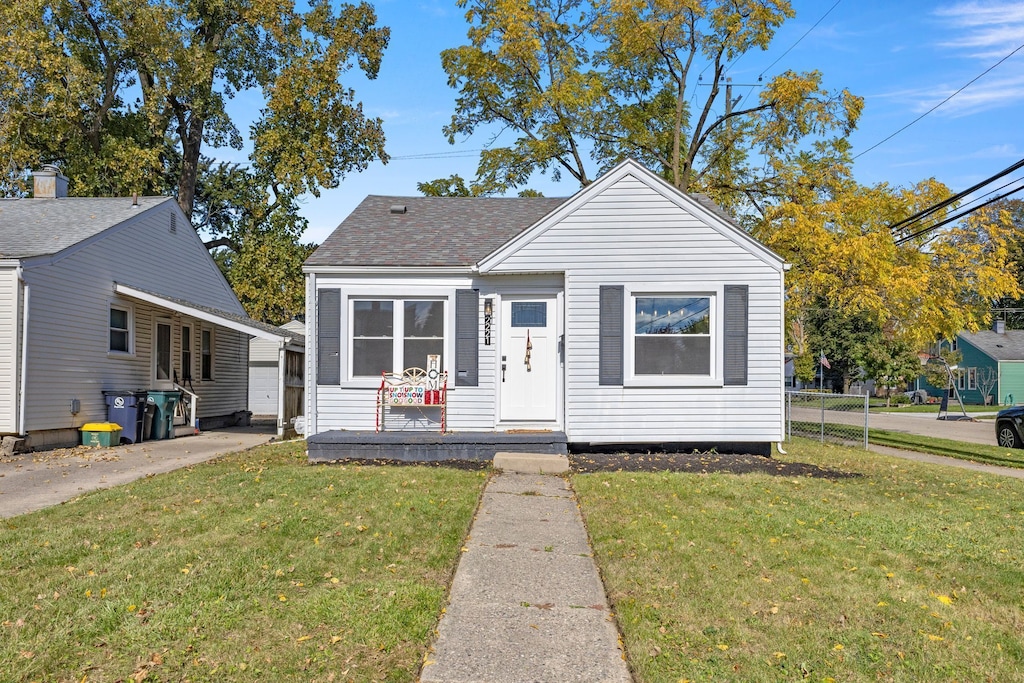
(414, 375)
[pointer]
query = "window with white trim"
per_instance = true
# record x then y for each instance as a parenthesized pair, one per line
(673, 335)
(206, 349)
(972, 379)
(120, 324)
(390, 335)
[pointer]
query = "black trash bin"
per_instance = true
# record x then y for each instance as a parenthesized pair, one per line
(128, 409)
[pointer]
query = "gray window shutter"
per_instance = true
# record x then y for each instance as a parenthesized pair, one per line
(735, 360)
(328, 336)
(467, 338)
(610, 344)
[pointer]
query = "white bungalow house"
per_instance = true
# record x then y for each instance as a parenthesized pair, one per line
(112, 294)
(629, 313)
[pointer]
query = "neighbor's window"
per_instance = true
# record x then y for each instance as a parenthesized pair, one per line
(186, 351)
(672, 335)
(972, 379)
(390, 335)
(120, 329)
(206, 355)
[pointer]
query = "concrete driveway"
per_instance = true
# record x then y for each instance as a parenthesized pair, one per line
(32, 481)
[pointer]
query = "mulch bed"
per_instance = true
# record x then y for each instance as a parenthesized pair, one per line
(699, 463)
(702, 463)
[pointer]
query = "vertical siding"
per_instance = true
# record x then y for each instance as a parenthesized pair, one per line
(630, 234)
(10, 326)
(68, 329)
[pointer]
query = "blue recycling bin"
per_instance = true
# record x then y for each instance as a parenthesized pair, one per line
(163, 403)
(128, 409)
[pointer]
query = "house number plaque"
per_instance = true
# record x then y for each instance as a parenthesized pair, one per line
(488, 317)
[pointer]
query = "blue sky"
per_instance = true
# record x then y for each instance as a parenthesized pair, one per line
(904, 58)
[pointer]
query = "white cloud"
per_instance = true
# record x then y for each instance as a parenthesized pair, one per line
(985, 29)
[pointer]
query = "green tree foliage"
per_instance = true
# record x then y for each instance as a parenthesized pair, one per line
(126, 97)
(890, 362)
(580, 82)
(112, 89)
(259, 248)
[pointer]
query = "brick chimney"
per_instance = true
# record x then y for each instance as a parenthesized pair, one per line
(48, 183)
(999, 326)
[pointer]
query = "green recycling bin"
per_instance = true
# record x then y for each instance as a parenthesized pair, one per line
(163, 412)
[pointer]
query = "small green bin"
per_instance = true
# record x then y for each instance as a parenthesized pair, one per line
(104, 434)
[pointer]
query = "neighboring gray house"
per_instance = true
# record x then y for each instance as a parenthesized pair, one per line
(628, 313)
(276, 384)
(112, 294)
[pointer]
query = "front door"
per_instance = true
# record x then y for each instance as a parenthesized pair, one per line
(529, 359)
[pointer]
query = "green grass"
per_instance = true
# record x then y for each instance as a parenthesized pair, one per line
(905, 572)
(933, 408)
(990, 455)
(255, 567)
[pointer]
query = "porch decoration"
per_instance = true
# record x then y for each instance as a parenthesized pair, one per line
(414, 388)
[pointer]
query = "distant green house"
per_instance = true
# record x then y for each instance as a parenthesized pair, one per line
(996, 354)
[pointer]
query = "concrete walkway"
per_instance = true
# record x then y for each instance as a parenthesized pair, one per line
(527, 603)
(32, 481)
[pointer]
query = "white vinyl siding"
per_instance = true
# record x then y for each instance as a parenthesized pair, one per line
(10, 327)
(632, 235)
(628, 232)
(470, 408)
(69, 321)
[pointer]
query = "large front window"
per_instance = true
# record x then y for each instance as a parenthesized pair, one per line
(672, 335)
(390, 335)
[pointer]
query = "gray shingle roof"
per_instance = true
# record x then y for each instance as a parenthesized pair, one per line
(433, 231)
(1007, 346)
(40, 227)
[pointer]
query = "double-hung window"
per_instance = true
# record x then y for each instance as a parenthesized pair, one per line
(206, 346)
(390, 335)
(120, 329)
(672, 335)
(186, 351)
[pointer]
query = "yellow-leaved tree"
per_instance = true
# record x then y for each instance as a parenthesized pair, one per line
(870, 297)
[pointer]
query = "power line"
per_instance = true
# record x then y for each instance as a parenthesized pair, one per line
(455, 154)
(924, 213)
(800, 38)
(958, 216)
(962, 88)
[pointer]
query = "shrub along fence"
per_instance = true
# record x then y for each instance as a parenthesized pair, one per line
(838, 418)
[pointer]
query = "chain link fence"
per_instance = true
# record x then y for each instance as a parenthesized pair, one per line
(837, 418)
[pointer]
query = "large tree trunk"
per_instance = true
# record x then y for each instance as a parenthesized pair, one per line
(190, 128)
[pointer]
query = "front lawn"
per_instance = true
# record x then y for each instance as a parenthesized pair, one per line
(904, 572)
(257, 567)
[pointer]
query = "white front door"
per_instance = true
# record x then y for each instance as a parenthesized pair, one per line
(529, 358)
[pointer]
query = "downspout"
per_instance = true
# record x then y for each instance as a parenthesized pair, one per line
(281, 357)
(23, 382)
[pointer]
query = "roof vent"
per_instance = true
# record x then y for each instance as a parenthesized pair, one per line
(48, 183)
(398, 208)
